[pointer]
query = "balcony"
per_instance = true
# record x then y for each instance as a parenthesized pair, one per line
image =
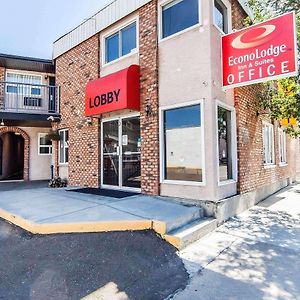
(28, 98)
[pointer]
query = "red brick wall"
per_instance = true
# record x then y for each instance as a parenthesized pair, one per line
(73, 71)
(149, 97)
(252, 173)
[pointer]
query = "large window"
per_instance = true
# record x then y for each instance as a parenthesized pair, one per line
(220, 15)
(225, 144)
(282, 146)
(179, 15)
(268, 143)
(64, 146)
(121, 43)
(183, 144)
(26, 84)
(45, 144)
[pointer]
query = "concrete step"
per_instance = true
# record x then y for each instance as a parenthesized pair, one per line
(188, 234)
(188, 215)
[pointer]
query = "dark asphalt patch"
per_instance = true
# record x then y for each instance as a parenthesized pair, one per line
(71, 266)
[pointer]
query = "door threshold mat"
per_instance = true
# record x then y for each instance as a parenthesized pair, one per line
(105, 192)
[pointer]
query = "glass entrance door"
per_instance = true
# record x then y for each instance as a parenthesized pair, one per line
(121, 160)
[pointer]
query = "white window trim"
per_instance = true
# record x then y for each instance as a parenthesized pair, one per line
(233, 144)
(160, 22)
(59, 148)
(44, 146)
(16, 83)
(229, 18)
(112, 32)
(162, 144)
(272, 164)
(282, 164)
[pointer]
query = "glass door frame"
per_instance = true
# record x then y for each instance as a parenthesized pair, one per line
(119, 119)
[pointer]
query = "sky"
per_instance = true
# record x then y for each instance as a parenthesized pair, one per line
(29, 27)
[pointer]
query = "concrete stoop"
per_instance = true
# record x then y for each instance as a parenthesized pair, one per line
(180, 230)
(190, 233)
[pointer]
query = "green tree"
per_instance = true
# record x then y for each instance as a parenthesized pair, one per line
(280, 98)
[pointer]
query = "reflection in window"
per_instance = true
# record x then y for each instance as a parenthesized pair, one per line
(282, 146)
(64, 146)
(121, 43)
(220, 16)
(224, 140)
(183, 147)
(179, 15)
(268, 143)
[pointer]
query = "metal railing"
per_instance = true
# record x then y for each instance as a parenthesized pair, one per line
(29, 98)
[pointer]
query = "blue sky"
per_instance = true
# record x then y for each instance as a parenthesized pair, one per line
(29, 27)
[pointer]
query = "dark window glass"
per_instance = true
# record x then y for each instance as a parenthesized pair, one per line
(12, 89)
(220, 16)
(179, 15)
(36, 91)
(112, 47)
(183, 144)
(224, 140)
(128, 38)
(121, 43)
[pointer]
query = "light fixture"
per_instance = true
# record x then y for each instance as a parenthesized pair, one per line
(2, 123)
(17, 133)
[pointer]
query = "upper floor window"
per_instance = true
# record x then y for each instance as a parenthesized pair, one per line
(221, 15)
(282, 146)
(268, 143)
(26, 84)
(179, 15)
(121, 43)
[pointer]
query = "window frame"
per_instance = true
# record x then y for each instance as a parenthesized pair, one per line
(272, 163)
(112, 32)
(64, 163)
(233, 143)
(44, 146)
(15, 84)
(162, 144)
(160, 20)
(282, 163)
(229, 18)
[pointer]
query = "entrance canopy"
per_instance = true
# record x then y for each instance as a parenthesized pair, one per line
(117, 91)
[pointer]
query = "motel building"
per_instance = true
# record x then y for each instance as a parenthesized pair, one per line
(28, 97)
(140, 107)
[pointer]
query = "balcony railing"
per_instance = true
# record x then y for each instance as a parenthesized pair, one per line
(28, 98)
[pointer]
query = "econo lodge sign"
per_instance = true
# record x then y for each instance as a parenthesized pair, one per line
(262, 52)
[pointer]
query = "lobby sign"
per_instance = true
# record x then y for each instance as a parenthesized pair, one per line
(120, 90)
(262, 52)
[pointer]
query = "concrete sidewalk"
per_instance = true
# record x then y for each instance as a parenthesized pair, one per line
(46, 211)
(252, 256)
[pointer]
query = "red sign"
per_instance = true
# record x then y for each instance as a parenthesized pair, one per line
(261, 52)
(114, 92)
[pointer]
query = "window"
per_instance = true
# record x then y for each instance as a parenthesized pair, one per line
(64, 146)
(45, 144)
(183, 144)
(220, 15)
(24, 84)
(268, 143)
(179, 15)
(121, 43)
(282, 146)
(225, 144)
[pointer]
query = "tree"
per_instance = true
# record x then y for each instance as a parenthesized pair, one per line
(280, 98)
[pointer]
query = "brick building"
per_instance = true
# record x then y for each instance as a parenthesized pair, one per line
(186, 138)
(28, 97)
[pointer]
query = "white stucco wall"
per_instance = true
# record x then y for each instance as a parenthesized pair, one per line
(190, 70)
(39, 165)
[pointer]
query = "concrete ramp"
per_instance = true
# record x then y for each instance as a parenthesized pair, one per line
(51, 211)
